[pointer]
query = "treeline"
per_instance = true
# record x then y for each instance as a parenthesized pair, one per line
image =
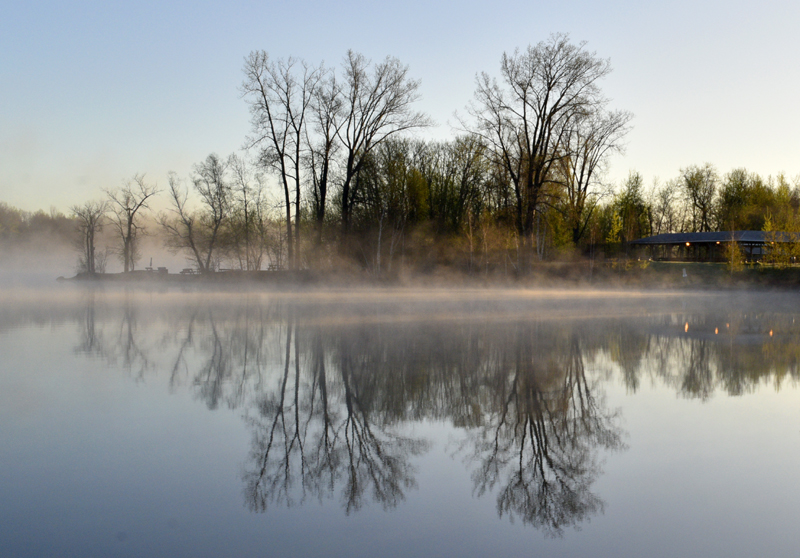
(699, 199)
(702, 200)
(521, 181)
(18, 226)
(355, 188)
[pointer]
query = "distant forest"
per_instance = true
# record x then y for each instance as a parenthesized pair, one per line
(333, 174)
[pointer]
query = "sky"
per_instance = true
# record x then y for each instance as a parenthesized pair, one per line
(92, 93)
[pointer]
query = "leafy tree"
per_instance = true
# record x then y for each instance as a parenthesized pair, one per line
(734, 257)
(615, 229)
(734, 200)
(633, 209)
(455, 173)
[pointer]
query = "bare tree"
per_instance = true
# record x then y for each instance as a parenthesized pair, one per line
(280, 95)
(588, 144)
(90, 219)
(253, 228)
(454, 172)
(376, 105)
(666, 216)
(322, 145)
(181, 224)
(700, 187)
(198, 232)
(248, 191)
(126, 202)
(211, 182)
(527, 121)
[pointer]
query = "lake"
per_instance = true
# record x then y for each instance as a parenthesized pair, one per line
(161, 421)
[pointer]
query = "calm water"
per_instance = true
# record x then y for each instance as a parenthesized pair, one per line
(398, 423)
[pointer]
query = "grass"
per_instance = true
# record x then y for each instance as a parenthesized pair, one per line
(712, 275)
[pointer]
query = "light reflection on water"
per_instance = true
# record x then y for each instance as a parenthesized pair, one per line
(338, 393)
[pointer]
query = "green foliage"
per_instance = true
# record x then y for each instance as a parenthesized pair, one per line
(734, 199)
(734, 257)
(778, 251)
(614, 229)
(560, 232)
(632, 209)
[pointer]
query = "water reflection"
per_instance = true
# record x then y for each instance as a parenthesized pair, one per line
(321, 429)
(328, 389)
(544, 424)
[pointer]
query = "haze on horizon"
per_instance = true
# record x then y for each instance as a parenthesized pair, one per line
(94, 93)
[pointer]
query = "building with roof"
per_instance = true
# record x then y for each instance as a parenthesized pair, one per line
(710, 246)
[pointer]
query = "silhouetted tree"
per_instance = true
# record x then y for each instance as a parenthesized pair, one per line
(376, 105)
(280, 95)
(527, 121)
(590, 140)
(700, 186)
(90, 218)
(323, 146)
(125, 204)
(198, 232)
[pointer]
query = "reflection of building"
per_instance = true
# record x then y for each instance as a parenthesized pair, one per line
(709, 246)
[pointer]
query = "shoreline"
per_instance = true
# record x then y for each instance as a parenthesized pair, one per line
(645, 275)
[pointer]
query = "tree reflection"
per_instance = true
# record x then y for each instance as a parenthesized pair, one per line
(312, 434)
(539, 445)
(91, 341)
(537, 426)
(128, 343)
(328, 398)
(115, 339)
(697, 378)
(222, 354)
(733, 352)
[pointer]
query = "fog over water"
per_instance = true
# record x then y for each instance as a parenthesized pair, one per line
(445, 422)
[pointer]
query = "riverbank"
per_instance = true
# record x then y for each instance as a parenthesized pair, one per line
(622, 274)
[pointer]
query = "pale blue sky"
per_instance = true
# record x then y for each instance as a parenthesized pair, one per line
(93, 92)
